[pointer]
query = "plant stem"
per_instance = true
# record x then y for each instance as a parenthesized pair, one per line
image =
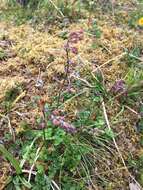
(66, 75)
(44, 135)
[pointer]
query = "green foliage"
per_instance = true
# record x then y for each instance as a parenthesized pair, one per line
(134, 82)
(10, 96)
(90, 4)
(137, 165)
(12, 93)
(41, 181)
(68, 183)
(135, 15)
(11, 159)
(62, 151)
(134, 76)
(2, 54)
(94, 29)
(41, 11)
(132, 58)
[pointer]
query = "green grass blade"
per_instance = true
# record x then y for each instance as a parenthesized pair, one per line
(7, 155)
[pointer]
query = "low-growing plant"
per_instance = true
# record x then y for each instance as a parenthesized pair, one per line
(10, 95)
(133, 56)
(94, 29)
(135, 16)
(137, 165)
(3, 55)
(41, 11)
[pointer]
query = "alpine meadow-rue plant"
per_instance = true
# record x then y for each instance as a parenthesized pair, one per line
(69, 47)
(74, 38)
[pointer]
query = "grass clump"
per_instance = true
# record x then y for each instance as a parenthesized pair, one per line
(3, 55)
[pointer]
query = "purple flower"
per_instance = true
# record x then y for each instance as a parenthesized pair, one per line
(55, 112)
(68, 127)
(56, 122)
(74, 50)
(59, 122)
(118, 87)
(75, 37)
(42, 125)
(71, 62)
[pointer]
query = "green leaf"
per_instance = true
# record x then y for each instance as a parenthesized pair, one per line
(10, 157)
(48, 133)
(25, 183)
(109, 133)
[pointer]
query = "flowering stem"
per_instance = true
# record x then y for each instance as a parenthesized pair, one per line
(45, 121)
(66, 75)
(44, 135)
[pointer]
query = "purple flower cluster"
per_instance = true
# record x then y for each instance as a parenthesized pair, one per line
(74, 50)
(42, 125)
(74, 38)
(59, 121)
(118, 87)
